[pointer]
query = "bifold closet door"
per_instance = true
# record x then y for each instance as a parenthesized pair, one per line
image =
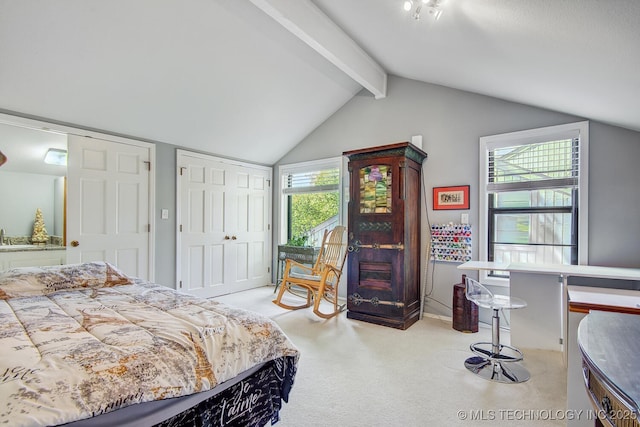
(224, 211)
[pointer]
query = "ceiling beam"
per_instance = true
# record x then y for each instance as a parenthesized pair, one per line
(311, 25)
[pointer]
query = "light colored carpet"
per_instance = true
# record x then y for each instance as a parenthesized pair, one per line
(354, 373)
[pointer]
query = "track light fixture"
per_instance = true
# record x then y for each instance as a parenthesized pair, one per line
(418, 7)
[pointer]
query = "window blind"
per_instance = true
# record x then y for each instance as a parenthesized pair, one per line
(549, 164)
(311, 181)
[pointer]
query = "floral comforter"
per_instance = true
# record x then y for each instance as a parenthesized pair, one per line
(80, 340)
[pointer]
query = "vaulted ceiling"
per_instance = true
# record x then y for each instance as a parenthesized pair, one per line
(249, 79)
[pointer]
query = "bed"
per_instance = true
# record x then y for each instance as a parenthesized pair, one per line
(85, 345)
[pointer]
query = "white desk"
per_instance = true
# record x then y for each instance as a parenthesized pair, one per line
(543, 324)
(582, 300)
(540, 324)
(482, 265)
(567, 270)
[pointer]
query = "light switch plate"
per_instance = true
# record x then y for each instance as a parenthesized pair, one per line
(464, 218)
(164, 214)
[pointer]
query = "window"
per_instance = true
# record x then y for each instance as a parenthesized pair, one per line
(533, 206)
(310, 201)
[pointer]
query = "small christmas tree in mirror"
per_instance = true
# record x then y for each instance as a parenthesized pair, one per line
(40, 235)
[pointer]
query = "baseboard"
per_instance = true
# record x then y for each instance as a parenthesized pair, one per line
(438, 316)
(450, 320)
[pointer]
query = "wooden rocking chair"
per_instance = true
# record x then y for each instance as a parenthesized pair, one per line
(321, 280)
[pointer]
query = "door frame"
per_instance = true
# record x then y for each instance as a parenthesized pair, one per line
(50, 126)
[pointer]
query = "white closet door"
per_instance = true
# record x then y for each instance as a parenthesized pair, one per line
(224, 211)
(108, 215)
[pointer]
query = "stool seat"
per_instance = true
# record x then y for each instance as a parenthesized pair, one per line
(495, 361)
(500, 302)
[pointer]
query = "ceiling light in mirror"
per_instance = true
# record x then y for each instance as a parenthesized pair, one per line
(55, 156)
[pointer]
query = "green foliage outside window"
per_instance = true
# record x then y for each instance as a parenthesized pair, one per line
(309, 210)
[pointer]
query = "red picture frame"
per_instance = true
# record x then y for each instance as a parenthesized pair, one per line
(455, 197)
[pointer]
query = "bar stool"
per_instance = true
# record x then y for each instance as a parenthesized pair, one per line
(495, 361)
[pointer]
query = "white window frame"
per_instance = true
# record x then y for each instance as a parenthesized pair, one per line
(313, 165)
(487, 143)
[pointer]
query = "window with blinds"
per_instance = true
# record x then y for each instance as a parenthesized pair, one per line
(310, 201)
(322, 180)
(548, 164)
(532, 195)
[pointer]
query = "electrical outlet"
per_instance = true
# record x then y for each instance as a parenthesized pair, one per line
(464, 218)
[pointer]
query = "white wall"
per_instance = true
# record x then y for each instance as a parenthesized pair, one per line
(451, 122)
(20, 195)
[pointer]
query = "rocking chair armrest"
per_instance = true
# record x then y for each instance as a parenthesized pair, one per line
(291, 263)
(334, 268)
(330, 268)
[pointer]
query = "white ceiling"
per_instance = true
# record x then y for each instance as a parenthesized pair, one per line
(26, 148)
(224, 77)
(580, 57)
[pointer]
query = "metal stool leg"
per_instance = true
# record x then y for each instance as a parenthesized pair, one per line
(493, 364)
(495, 332)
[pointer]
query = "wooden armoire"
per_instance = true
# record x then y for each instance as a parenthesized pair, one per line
(383, 278)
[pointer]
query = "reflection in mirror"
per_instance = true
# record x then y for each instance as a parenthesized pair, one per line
(28, 183)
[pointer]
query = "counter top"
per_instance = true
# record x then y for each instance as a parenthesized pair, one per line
(610, 345)
(27, 248)
(583, 299)
(483, 265)
(563, 269)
